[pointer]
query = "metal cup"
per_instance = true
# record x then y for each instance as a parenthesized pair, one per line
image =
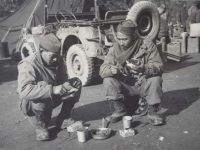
(82, 134)
(127, 120)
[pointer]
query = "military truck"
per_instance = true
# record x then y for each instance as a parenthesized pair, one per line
(87, 32)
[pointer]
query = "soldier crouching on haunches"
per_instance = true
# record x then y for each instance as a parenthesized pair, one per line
(133, 67)
(43, 84)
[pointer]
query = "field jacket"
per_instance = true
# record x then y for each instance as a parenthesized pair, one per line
(36, 81)
(147, 54)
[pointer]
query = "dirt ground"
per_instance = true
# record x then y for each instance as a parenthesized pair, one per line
(181, 109)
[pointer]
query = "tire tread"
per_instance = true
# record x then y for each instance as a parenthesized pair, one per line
(90, 64)
(137, 8)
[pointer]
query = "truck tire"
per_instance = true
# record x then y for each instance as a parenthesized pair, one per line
(79, 65)
(147, 17)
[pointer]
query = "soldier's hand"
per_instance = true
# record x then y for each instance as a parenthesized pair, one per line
(67, 86)
(136, 69)
(114, 70)
(59, 90)
(73, 90)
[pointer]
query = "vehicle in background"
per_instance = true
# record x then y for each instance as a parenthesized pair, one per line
(87, 36)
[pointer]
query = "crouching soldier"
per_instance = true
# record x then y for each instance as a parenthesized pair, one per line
(43, 84)
(132, 67)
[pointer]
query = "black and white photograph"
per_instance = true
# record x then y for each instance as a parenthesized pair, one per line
(99, 74)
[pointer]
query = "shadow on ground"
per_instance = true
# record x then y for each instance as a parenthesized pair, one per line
(171, 66)
(92, 111)
(179, 100)
(174, 101)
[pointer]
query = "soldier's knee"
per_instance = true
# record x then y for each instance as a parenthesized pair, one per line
(156, 80)
(109, 82)
(28, 107)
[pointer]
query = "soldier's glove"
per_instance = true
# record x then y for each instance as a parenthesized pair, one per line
(59, 90)
(73, 90)
(70, 93)
(70, 89)
(67, 86)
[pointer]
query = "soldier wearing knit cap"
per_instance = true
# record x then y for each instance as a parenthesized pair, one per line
(43, 85)
(126, 33)
(132, 67)
(127, 27)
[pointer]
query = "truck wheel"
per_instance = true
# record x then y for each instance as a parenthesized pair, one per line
(147, 17)
(79, 65)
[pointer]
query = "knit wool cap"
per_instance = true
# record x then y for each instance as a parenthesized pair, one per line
(127, 27)
(50, 43)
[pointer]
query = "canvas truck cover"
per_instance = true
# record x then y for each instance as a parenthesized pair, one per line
(32, 13)
(85, 6)
(70, 6)
(11, 26)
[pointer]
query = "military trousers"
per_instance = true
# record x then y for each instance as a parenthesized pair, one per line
(47, 105)
(149, 88)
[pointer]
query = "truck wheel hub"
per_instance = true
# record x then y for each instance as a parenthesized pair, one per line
(77, 66)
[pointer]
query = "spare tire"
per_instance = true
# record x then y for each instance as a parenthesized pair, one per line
(147, 17)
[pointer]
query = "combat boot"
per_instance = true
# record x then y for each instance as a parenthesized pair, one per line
(119, 112)
(64, 120)
(154, 116)
(42, 133)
